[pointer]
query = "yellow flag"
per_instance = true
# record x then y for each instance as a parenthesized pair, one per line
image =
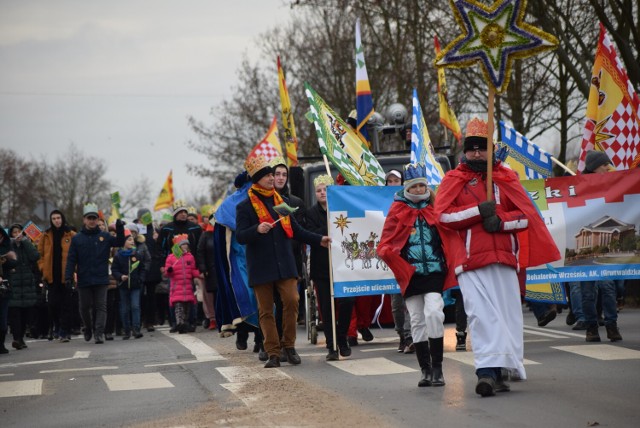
(165, 199)
(290, 139)
(447, 116)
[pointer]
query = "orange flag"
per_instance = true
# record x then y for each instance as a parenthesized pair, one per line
(165, 198)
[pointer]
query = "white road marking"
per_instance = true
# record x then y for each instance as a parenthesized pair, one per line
(313, 354)
(395, 348)
(371, 366)
(198, 348)
(543, 334)
(85, 369)
(131, 382)
(601, 351)
(467, 358)
(20, 388)
(77, 355)
(237, 374)
(82, 354)
(552, 331)
(6, 374)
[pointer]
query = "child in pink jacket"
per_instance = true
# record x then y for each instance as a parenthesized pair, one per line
(181, 272)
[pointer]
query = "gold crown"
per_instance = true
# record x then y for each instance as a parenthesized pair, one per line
(255, 163)
(476, 127)
(278, 160)
(192, 210)
(323, 179)
(179, 205)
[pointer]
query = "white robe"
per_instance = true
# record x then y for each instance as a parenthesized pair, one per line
(492, 303)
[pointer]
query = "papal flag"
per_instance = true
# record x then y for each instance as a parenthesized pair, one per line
(526, 158)
(364, 100)
(290, 138)
(613, 121)
(165, 199)
(421, 147)
(447, 116)
(269, 146)
(342, 146)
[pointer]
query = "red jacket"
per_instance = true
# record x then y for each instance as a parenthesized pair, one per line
(469, 245)
(181, 273)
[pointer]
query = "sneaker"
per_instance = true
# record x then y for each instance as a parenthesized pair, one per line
(274, 361)
(292, 356)
(353, 341)
(344, 348)
(580, 325)
(502, 386)
(571, 318)
(592, 334)
(108, 336)
(367, 336)
(151, 329)
(613, 334)
(409, 346)
(213, 325)
(332, 355)
(64, 339)
(99, 339)
(401, 345)
(262, 355)
(87, 334)
(486, 387)
(137, 334)
(461, 341)
(547, 318)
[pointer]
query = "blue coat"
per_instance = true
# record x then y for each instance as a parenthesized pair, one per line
(89, 255)
(269, 255)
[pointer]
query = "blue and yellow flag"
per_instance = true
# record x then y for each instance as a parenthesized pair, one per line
(527, 159)
(421, 148)
(364, 100)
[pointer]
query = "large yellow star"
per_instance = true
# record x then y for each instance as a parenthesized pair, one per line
(342, 223)
(493, 36)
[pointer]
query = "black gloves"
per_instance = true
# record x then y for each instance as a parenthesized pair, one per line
(487, 208)
(492, 224)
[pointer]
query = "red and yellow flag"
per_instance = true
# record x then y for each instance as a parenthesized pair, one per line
(165, 198)
(447, 116)
(269, 146)
(613, 122)
(290, 139)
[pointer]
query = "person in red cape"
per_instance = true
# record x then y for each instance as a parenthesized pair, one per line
(482, 246)
(411, 246)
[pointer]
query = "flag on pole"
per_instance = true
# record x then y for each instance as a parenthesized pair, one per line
(165, 198)
(536, 163)
(269, 146)
(342, 146)
(447, 116)
(613, 121)
(364, 100)
(421, 147)
(290, 138)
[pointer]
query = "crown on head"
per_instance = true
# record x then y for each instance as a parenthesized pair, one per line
(90, 208)
(278, 160)
(476, 127)
(323, 179)
(415, 170)
(192, 210)
(179, 205)
(255, 163)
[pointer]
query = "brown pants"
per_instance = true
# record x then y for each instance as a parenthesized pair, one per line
(288, 290)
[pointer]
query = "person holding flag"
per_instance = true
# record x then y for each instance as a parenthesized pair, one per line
(128, 269)
(270, 260)
(482, 247)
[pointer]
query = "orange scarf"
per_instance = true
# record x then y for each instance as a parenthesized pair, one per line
(263, 212)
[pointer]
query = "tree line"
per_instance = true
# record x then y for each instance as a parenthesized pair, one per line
(546, 98)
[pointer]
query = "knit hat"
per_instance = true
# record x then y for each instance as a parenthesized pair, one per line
(15, 226)
(181, 239)
(127, 233)
(141, 212)
(415, 173)
(179, 205)
(130, 227)
(595, 159)
(90, 209)
(257, 167)
(476, 135)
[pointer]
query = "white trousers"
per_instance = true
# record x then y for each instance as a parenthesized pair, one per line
(492, 303)
(427, 316)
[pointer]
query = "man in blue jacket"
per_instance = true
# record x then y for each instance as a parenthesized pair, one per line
(89, 258)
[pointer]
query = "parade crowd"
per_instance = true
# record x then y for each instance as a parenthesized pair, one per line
(108, 281)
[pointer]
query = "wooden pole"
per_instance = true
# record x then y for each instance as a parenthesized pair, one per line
(561, 165)
(333, 304)
(490, 126)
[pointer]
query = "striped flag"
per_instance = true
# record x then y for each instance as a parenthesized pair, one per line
(421, 148)
(613, 110)
(342, 146)
(535, 162)
(290, 139)
(165, 198)
(269, 146)
(447, 116)
(364, 100)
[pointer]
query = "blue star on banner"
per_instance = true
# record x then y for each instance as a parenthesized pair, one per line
(493, 36)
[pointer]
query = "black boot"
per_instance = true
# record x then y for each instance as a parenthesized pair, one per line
(437, 349)
(424, 360)
(461, 340)
(401, 344)
(3, 350)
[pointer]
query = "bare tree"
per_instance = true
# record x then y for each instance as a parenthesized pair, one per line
(134, 195)
(20, 188)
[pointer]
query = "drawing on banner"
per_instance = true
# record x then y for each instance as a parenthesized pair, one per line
(365, 251)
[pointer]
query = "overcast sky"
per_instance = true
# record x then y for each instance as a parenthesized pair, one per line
(119, 78)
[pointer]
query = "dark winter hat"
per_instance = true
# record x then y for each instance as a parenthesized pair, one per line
(15, 226)
(595, 159)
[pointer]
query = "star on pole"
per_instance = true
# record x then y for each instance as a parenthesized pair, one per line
(493, 36)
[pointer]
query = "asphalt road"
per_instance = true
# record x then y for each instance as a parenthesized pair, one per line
(570, 383)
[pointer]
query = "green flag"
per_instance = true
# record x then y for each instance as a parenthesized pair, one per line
(134, 266)
(342, 146)
(146, 218)
(176, 250)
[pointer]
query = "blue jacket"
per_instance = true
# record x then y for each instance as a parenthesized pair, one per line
(89, 255)
(123, 262)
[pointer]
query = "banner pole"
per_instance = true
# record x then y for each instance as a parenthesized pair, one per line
(561, 165)
(333, 304)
